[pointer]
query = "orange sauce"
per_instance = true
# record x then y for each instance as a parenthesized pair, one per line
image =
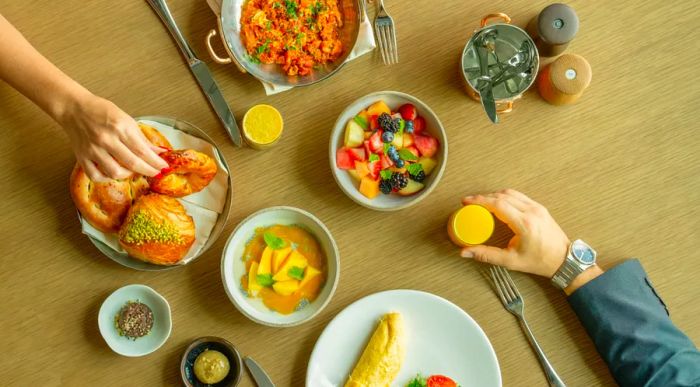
(307, 245)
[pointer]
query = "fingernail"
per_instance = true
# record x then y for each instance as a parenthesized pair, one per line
(467, 254)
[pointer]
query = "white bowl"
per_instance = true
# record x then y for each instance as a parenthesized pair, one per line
(233, 267)
(162, 322)
(391, 202)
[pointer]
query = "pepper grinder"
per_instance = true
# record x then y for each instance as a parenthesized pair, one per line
(553, 29)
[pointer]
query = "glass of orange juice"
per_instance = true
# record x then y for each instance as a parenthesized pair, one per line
(470, 225)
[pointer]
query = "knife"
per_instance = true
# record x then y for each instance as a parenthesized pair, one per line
(259, 375)
(201, 73)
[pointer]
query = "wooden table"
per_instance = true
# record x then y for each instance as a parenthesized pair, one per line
(620, 169)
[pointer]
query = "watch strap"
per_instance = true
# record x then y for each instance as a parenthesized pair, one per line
(568, 270)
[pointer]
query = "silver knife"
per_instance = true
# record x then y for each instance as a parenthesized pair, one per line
(201, 73)
(484, 83)
(259, 375)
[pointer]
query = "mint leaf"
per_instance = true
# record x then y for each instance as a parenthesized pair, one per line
(273, 241)
(265, 279)
(296, 272)
(385, 174)
(361, 121)
(291, 6)
(407, 155)
(373, 157)
(414, 169)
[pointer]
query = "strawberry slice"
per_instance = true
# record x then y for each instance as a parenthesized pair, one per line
(408, 112)
(343, 159)
(427, 146)
(358, 154)
(373, 122)
(374, 168)
(375, 142)
(367, 150)
(386, 161)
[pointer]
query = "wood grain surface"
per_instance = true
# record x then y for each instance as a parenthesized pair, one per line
(619, 169)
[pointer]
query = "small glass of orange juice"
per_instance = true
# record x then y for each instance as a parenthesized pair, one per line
(470, 225)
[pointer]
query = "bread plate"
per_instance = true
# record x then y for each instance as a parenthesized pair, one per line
(123, 258)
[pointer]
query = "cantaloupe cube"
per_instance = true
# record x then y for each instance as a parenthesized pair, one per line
(265, 266)
(278, 257)
(253, 285)
(285, 288)
(378, 108)
(309, 274)
(361, 168)
(295, 260)
(369, 187)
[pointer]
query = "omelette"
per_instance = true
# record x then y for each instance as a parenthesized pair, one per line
(381, 360)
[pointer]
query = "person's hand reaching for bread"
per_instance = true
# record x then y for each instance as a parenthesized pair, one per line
(108, 143)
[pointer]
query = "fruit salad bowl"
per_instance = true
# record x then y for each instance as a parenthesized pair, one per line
(388, 151)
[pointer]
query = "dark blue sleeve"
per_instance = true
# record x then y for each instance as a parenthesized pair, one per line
(632, 331)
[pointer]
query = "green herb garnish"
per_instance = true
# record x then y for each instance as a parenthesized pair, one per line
(387, 145)
(407, 155)
(373, 157)
(276, 4)
(268, 25)
(300, 36)
(361, 121)
(263, 48)
(418, 381)
(273, 241)
(265, 279)
(385, 174)
(296, 272)
(292, 8)
(253, 59)
(414, 169)
(316, 8)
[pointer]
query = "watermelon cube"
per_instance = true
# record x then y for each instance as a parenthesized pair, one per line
(343, 159)
(427, 146)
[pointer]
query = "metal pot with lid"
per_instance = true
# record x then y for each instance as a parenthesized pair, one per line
(499, 63)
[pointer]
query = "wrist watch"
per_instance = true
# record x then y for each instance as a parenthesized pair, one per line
(579, 257)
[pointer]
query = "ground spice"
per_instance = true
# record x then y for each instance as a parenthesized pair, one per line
(134, 320)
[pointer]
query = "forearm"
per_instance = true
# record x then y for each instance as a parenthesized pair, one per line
(632, 331)
(25, 69)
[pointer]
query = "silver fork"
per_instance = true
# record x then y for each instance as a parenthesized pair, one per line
(386, 36)
(513, 301)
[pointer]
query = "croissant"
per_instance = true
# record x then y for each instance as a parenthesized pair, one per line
(189, 172)
(104, 205)
(157, 229)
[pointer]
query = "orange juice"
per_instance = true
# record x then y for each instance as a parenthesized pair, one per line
(470, 225)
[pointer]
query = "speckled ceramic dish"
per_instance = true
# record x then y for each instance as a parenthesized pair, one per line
(162, 323)
(211, 343)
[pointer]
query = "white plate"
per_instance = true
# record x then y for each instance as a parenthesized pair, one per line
(441, 339)
(162, 322)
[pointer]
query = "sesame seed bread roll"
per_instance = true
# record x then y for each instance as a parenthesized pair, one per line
(382, 358)
(158, 230)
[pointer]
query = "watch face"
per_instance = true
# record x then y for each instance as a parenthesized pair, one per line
(583, 252)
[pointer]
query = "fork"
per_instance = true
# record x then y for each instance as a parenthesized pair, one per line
(514, 303)
(386, 36)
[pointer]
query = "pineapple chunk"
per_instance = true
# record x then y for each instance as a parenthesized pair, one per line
(278, 257)
(428, 164)
(308, 275)
(295, 260)
(253, 285)
(285, 288)
(353, 173)
(265, 266)
(354, 134)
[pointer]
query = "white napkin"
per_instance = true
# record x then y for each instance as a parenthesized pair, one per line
(364, 44)
(204, 207)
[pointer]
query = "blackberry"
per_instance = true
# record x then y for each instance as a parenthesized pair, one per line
(385, 122)
(399, 181)
(387, 137)
(385, 186)
(419, 177)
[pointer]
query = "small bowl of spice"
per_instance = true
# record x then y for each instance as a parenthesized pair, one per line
(211, 361)
(135, 320)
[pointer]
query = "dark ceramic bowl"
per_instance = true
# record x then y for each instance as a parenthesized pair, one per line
(211, 343)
